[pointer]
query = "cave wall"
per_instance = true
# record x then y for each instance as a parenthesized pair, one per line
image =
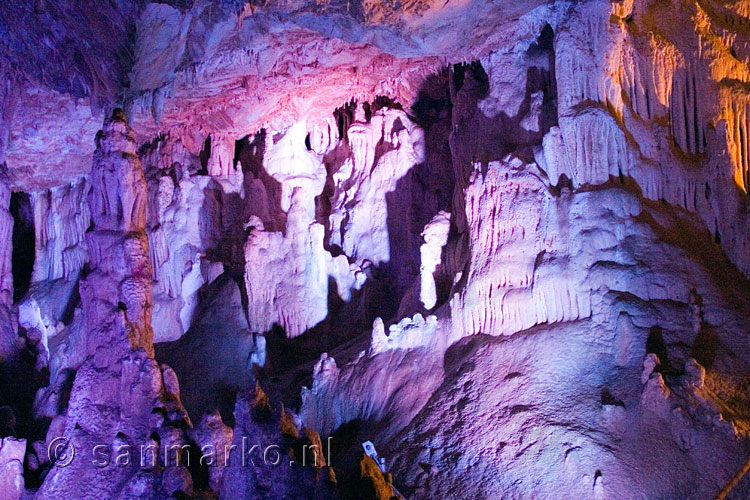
(513, 254)
(6, 272)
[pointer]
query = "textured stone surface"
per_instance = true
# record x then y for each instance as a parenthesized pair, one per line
(12, 452)
(507, 243)
(183, 224)
(215, 438)
(7, 329)
(260, 464)
(61, 219)
(119, 391)
(287, 276)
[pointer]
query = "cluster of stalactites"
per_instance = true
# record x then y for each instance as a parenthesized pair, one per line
(61, 219)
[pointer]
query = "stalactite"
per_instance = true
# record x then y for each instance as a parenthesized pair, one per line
(220, 162)
(61, 219)
(504, 293)
(648, 74)
(735, 111)
(566, 302)
(287, 275)
(595, 146)
(686, 115)
(383, 152)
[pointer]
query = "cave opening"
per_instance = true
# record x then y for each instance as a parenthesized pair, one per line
(22, 259)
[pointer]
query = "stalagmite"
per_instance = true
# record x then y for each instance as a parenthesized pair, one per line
(116, 291)
(435, 237)
(118, 391)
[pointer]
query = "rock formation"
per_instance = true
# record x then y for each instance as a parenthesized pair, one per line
(183, 224)
(61, 219)
(120, 396)
(12, 453)
(7, 331)
(507, 243)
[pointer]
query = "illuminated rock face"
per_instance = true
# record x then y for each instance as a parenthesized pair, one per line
(61, 219)
(359, 215)
(7, 330)
(509, 244)
(120, 396)
(183, 224)
(12, 452)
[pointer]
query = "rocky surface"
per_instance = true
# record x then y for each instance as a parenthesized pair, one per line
(12, 453)
(506, 243)
(7, 330)
(120, 396)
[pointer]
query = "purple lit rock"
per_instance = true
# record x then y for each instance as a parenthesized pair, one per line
(507, 242)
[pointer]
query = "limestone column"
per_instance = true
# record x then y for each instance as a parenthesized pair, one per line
(120, 395)
(116, 292)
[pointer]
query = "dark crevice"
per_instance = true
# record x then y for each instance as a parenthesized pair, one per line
(238, 146)
(705, 346)
(204, 155)
(655, 344)
(608, 399)
(197, 465)
(23, 243)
